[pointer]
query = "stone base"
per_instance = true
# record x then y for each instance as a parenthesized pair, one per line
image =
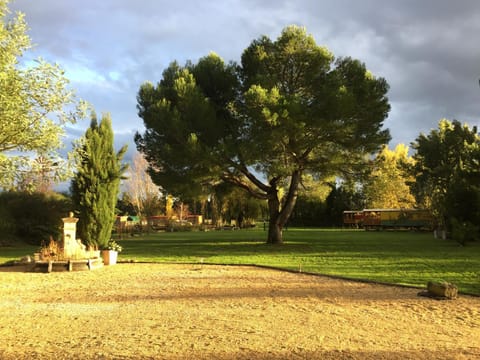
(68, 265)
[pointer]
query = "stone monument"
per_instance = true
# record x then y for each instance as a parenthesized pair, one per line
(73, 256)
(72, 248)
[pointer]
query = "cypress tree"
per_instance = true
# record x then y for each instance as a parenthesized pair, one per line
(95, 186)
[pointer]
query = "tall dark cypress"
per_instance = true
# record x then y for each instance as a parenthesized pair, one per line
(95, 186)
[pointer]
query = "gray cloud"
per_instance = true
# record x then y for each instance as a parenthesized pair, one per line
(427, 50)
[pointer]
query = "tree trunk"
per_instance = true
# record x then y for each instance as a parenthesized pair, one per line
(275, 233)
(214, 211)
(278, 218)
(275, 228)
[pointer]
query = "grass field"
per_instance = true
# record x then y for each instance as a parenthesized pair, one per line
(391, 257)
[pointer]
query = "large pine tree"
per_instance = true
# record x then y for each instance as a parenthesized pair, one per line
(288, 111)
(96, 183)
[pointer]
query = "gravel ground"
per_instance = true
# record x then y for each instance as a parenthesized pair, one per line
(163, 311)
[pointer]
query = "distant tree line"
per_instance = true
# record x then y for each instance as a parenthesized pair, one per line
(442, 175)
(446, 169)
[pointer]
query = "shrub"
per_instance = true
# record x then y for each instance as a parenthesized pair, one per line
(464, 232)
(33, 218)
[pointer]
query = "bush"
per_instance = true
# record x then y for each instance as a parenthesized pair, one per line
(179, 227)
(7, 226)
(33, 218)
(464, 232)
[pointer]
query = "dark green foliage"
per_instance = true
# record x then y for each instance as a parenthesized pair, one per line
(125, 207)
(463, 203)
(7, 223)
(32, 218)
(234, 205)
(95, 186)
(447, 174)
(343, 197)
(463, 232)
(309, 212)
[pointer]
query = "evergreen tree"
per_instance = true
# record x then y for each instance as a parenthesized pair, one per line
(288, 110)
(446, 171)
(95, 186)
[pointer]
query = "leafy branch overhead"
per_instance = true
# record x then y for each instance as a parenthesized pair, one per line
(34, 103)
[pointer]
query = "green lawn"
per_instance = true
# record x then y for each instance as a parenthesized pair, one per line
(391, 257)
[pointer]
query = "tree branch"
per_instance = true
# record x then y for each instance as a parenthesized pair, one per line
(238, 182)
(291, 197)
(252, 178)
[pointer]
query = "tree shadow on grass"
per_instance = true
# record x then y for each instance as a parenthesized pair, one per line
(255, 285)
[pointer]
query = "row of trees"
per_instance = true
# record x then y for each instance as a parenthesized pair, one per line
(442, 176)
(446, 169)
(288, 113)
(283, 126)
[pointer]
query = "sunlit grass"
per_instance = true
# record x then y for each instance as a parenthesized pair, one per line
(406, 258)
(391, 257)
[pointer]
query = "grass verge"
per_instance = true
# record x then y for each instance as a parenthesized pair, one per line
(405, 258)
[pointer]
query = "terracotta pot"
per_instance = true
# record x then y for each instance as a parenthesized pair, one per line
(109, 257)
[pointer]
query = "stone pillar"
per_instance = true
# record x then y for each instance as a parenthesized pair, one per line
(69, 236)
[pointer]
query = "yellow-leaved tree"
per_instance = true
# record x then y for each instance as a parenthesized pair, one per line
(387, 184)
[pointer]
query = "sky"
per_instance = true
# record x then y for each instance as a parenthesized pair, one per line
(427, 50)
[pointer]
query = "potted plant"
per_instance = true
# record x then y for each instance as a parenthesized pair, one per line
(110, 254)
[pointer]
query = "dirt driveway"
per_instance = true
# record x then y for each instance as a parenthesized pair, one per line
(160, 311)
